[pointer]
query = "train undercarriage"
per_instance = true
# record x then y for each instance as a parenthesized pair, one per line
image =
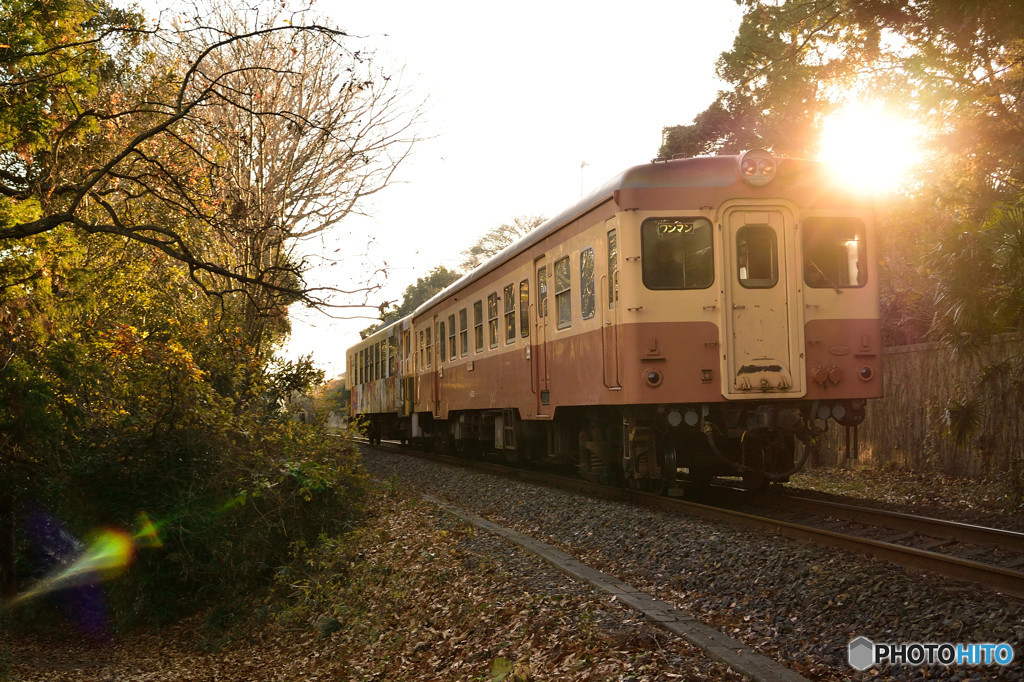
(654, 448)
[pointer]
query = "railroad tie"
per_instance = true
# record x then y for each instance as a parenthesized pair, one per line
(717, 645)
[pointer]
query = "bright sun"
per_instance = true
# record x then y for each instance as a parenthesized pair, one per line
(869, 147)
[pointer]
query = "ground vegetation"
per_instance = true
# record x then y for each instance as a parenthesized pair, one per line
(160, 178)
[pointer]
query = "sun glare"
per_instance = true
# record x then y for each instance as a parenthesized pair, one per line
(870, 147)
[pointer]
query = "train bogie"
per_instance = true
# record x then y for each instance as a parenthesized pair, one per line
(692, 318)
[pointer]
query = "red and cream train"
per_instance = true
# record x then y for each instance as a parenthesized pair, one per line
(691, 318)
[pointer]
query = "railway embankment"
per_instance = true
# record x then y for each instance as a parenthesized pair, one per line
(799, 604)
(420, 594)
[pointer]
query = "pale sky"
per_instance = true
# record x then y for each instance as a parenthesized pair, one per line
(519, 97)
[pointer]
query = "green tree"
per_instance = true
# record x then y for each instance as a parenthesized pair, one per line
(127, 192)
(497, 239)
(415, 295)
(956, 68)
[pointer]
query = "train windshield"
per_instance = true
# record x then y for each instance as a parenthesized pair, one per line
(677, 253)
(835, 253)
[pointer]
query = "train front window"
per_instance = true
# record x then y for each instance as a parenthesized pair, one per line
(835, 253)
(677, 253)
(757, 257)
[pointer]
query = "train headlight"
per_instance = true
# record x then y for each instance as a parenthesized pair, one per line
(866, 373)
(757, 167)
(653, 378)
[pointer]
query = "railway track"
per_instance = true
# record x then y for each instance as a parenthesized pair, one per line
(975, 554)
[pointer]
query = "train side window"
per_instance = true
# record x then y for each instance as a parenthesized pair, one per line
(442, 343)
(588, 299)
(757, 257)
(542, 292)
(419, 345)
(430, 348)
(463, 332)
(563, 293)
(677, 253)
(510, 313)
(613, 266)
(392, 356)
(478, 326)
(524, 308)
(451, 337)
(835, 253)
(492, 319)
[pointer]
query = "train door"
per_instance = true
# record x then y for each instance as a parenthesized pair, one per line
(539, 352)
(435, 375)
(609, 295)
(763, 335)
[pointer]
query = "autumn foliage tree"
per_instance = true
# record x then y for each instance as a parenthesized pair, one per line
(157, 182)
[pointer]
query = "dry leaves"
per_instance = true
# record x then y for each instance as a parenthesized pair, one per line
(424, 597)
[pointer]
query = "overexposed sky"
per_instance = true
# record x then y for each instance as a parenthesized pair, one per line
(528, 104)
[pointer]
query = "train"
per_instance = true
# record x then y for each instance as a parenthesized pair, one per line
(691, 318)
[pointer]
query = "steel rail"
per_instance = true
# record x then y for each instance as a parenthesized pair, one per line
(925, 525)
(1004, 580)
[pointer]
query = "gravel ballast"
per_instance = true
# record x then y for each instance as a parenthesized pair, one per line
(796, 603)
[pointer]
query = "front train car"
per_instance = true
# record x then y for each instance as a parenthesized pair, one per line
(692, 318)
(747, 319)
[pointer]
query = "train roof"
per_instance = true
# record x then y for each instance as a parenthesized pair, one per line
(701, 171)
(385, 332)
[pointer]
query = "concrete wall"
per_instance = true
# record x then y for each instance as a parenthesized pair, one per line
(907, 428)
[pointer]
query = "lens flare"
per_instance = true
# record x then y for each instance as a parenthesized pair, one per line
(105, 557)
(148, 534)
